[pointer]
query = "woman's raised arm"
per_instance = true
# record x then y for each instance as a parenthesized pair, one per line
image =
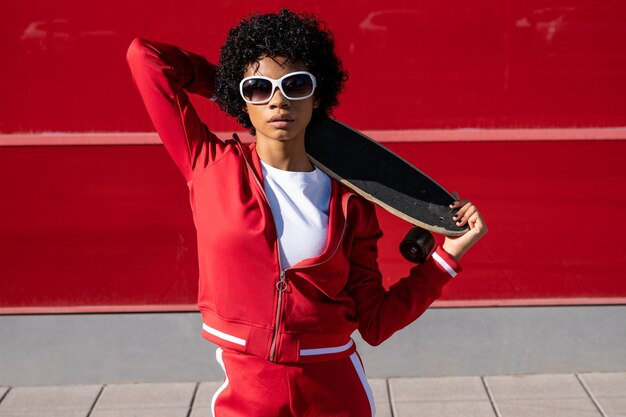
(164, 74)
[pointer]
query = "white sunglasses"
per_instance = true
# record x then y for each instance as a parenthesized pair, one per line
(258, 89)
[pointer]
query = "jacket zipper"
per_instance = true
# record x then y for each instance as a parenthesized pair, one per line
(282, 284)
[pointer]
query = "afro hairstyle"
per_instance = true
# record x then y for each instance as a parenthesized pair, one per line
(293, 36)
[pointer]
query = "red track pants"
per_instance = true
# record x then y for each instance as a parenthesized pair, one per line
(254, 387)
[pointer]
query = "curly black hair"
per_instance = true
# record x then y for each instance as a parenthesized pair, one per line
(293, 36)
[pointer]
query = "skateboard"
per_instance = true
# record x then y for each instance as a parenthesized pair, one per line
(386, 179)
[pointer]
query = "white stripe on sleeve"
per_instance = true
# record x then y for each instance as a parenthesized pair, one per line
(444, 264)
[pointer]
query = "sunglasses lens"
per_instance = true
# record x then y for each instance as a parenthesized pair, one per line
(256, 89)
(298, 86)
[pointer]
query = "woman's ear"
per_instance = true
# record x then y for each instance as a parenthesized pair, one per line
(316, 103)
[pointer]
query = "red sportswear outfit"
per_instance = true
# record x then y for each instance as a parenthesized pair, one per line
(284, 334)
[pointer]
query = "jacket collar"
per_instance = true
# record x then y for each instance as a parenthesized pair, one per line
(338, 210)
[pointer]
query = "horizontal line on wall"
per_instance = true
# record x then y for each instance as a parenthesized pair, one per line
(133, 308)
(532, 302)
(412, 135)
(165, 308)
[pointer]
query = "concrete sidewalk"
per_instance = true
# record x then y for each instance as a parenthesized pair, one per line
(548, 395)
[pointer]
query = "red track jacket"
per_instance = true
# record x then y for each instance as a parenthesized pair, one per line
(248, 301)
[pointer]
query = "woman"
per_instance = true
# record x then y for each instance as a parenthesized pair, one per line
(287, 256)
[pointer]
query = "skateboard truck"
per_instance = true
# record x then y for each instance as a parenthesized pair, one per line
(417, 245)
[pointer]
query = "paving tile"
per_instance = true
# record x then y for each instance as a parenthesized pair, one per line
(42, 413)
(609, 390)
(546, 407)
(142, 412)
(522, 387)
(153, 395)
(443, 409)
(379, 389)
(606, 384)
(541, 395)
(201, 412)
(205, 392)
(437, 389)
(383, 409)
(145, 400)
(613, 407)
(441, 397)
(49, 401)
(3, 390)
(381, 397)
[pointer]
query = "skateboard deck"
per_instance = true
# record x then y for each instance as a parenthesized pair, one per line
(381, 176)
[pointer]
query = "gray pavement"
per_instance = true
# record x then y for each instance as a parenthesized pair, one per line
(69, 349)
(544, 395)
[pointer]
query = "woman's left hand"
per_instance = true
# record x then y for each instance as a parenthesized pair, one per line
(468, 214)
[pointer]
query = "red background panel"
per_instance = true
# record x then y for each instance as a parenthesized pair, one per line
(426, 64)
(107, 226)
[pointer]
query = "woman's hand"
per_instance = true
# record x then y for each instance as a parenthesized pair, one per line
(468, 214)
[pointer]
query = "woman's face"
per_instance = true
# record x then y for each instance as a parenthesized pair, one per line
(280, 118)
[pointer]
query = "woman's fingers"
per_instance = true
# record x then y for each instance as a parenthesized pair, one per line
(468, 214)
(458, 203)
(468, 211)
(477, 224)
(462, 213)
(474, 221)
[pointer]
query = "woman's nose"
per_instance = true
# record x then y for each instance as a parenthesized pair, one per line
(278, 100)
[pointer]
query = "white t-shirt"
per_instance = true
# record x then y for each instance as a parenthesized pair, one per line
(299, 202)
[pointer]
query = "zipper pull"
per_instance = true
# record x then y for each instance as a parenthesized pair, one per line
(281, 285)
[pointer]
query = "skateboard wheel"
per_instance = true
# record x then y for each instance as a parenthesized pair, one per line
(417, 245)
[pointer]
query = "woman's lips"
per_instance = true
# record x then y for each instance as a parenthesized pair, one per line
(280, 122)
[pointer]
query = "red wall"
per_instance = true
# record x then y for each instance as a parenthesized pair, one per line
(426, 64)
(108, 227)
